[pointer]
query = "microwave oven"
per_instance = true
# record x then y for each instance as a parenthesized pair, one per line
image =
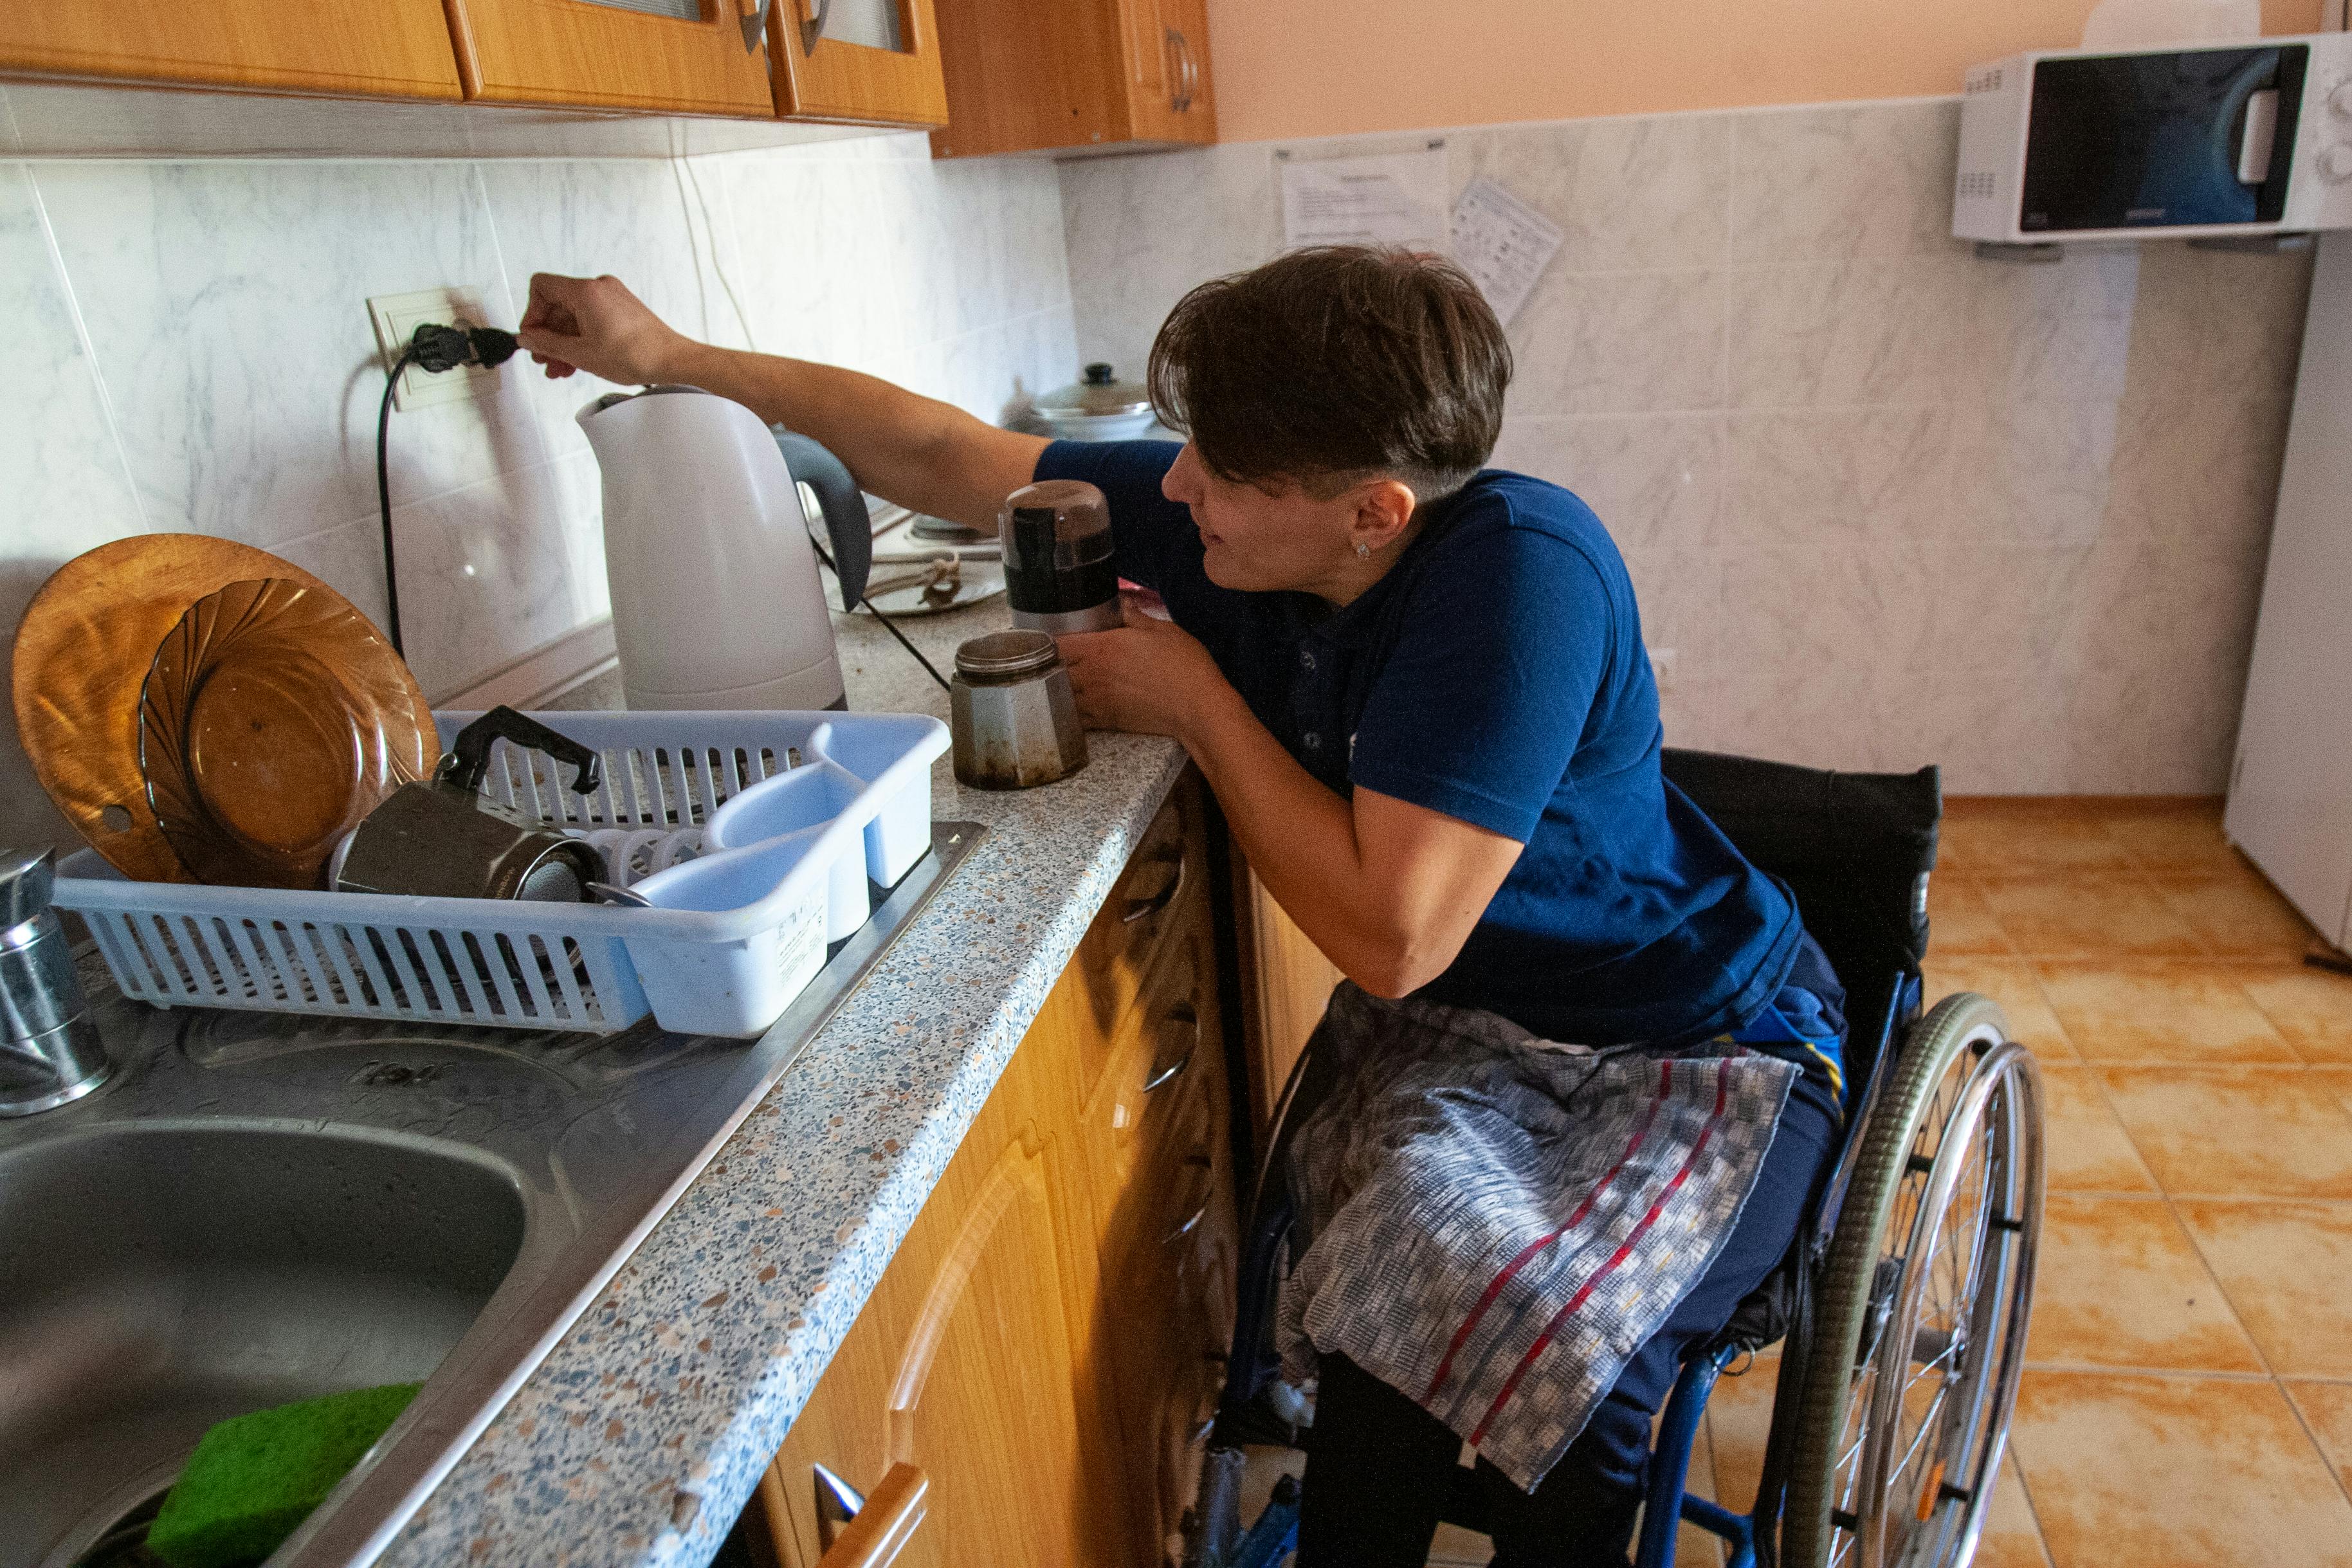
(2244, 138)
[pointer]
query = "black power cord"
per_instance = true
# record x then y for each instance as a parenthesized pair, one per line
(434, 347)
(888, 623)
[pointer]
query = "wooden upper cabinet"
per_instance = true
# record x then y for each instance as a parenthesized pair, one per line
(677, 56)
(369, 48)
(872, 62)
(1031, 76)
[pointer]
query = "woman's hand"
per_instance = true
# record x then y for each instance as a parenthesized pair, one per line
(595, 325)
(1147, 677)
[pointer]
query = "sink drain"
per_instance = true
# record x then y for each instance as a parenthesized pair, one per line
(124, 1542)
(113, 1534)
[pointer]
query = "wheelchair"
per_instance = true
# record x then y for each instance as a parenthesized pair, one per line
(1902, 1305)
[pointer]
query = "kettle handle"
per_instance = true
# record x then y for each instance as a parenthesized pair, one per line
(470, 756)
(844, 505)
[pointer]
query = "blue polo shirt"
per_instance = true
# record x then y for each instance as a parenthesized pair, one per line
(1495, 674)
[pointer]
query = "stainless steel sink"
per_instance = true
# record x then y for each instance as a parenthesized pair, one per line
(256, 1209)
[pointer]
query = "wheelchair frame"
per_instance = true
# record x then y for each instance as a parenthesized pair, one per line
(1998, 1096)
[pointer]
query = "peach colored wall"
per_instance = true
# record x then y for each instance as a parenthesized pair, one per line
(1320, 68)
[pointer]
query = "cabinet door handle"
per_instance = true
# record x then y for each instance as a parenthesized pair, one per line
(1182, 1017)
(1187, 72)
(1192, 1222)
(812, 31)
(1145, 907)
(880, 1528)
(755, 27)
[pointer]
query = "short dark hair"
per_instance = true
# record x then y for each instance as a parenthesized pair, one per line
(1333, 364)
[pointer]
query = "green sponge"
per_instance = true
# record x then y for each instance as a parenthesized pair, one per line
(253, 1478)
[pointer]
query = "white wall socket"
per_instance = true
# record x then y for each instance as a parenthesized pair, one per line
(396, 318)
(1661, 669)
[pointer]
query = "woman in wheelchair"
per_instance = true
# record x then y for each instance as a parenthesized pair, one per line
(1586, 1072)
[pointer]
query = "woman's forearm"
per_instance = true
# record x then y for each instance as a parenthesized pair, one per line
(925, 455)
(1300, 838)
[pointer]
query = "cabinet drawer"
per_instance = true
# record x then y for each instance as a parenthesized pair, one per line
(1164, 885)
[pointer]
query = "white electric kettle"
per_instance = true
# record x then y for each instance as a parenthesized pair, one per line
(716, 598)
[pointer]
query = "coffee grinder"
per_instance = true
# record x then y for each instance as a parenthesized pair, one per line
(1057, 567)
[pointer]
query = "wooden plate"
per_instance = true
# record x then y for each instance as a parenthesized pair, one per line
(272, 720)
(82, 656)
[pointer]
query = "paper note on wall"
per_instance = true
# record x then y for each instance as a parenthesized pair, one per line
(1389, 198)
(1502, 244)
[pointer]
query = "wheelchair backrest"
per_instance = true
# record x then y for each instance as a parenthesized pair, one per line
(1854, 848)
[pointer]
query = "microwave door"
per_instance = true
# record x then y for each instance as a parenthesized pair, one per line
(2163, 141)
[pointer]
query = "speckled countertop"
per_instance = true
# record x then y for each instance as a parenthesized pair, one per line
(642, 1433)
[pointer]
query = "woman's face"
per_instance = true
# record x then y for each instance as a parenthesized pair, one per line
(1259, 541)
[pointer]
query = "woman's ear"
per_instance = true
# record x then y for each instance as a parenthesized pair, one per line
(1383, 511)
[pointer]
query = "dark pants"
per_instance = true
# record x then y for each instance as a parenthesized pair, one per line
(1379, 1464)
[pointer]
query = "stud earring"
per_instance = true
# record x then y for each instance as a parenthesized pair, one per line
(1363, 550)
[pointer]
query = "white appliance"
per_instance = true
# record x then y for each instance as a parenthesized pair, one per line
(2248, 137)
(2291, 789)
(717, 603)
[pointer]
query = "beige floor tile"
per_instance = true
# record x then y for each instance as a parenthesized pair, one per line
(2194, 1014)
(2009, 982)
(2277, 1132)
(1992, 837)
(2311, 1007)
(2328, 1410)
(2087, 1148)
(1960, 922)
(2120, 1285)
(2013, 1538)
(2239, 916)
(2179, 839)
(2102, 915)
(2176, 1472)
(2288, 1268)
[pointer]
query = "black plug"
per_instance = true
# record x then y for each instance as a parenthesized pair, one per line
(439, 348)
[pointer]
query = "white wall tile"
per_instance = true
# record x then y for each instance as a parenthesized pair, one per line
(1620, 342)
(1842, 333)
(1656, 479)
(1627, 194)
(640, 221)
(1848, 180)
(66, 489)
(226, 304)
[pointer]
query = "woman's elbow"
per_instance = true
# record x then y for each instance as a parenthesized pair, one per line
(1399, 969)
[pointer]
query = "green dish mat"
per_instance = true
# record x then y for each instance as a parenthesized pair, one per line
(255, 1479)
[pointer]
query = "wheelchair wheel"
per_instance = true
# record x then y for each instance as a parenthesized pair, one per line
(1919, 1331)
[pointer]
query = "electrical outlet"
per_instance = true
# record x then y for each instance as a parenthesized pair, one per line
(396, 318)
(1661, 669)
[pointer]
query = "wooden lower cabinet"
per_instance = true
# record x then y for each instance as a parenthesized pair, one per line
(1041, 1352)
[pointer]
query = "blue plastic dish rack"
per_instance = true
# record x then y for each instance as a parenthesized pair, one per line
(740, 932)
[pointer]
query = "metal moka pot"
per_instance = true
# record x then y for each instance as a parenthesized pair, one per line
(445, 841)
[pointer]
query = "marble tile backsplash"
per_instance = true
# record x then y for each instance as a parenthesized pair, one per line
(190, 350)
(1890, 503)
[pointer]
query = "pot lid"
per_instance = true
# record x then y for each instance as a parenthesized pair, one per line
(1098, 393)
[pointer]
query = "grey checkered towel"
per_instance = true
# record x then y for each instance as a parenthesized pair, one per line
(1493, 1223)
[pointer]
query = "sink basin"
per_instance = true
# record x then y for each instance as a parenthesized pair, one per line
(258, 1208)
(165, 1275)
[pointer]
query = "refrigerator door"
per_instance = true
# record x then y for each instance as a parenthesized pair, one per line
(2290, 790)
